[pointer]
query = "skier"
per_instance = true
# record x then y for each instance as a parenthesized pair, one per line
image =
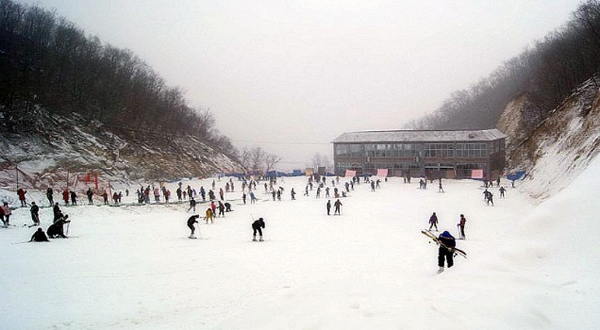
(5, 214)
(221, 209)
(433, 221)
(190, 223)
(56, 229)
(35, 216)
(209, 215)
(39, 236)
(256, 227)
(502, 190)
(90, 194)
(65, 195)
(49, 195)
(252, 197)
(192, 204)
(21, 194)
(57, 212)
(213, 207)
(227, 207)
(337, 206)
(293, 193)
(447, 251)
(461, 226)
(73, 198)
(440, 186)
(329, 207)
(244, 197)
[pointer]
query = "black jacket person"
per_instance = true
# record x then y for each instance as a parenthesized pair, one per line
(56, 229)
(39, 236)
(256, 226)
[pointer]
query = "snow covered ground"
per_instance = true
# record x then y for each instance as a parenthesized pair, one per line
(133, 267)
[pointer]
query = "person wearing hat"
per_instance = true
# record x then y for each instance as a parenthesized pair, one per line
(256, 226)
(446, 250)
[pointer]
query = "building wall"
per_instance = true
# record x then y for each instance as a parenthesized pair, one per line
(440, 159)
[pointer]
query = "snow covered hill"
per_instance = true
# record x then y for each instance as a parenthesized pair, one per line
(56, 147)
(558, 149)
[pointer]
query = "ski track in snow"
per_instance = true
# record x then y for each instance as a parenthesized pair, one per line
(132, 267)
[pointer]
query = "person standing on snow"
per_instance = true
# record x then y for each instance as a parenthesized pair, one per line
(35, 216)
(50, 195)
(21, 194)
(329, 207)
(337, 206)
(5, 213)
(190, 223)
(209, 215)
(90, 194)
(461, 226)
(446, 250)
(502, 191)
(192, 205)
(257, 227)
(57, 212)
(65, 195)
(433, 221)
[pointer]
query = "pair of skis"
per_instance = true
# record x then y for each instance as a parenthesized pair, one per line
(438, 242)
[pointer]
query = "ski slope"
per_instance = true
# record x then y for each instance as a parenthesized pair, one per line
(132, 267)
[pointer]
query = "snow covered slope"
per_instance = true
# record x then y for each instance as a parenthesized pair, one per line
(560, 148)
(132, 267)
(56, 147)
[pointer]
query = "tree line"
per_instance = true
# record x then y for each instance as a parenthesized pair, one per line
(545, 73)
(47, 62)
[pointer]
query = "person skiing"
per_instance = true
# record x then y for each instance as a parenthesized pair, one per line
(39, 236)
(461, 226)
(56, 229)
(209, 215)
(57, 212)
(73, 198)
(35, 216)
(65, 195)
(293, 194)
(5, 214)
(252, 197)
(446, 250)
(337, 206)
(90, 194)
(502, 190)
(433, 221)
(227, 207)
(21, 192)
(50, 196)
(190, 223)
(256, 227)
(329, 207)
(192, 204)
(221, 209)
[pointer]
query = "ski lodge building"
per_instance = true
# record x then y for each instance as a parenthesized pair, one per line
(434, 154)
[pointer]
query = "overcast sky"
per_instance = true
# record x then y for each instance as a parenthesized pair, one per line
(290, 76)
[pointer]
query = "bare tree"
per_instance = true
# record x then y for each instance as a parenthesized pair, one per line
(271, 160)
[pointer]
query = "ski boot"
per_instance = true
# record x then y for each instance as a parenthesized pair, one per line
(440, 270)
(260, 239)
(254, 239)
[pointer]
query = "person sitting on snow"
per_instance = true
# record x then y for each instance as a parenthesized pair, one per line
(39, 236)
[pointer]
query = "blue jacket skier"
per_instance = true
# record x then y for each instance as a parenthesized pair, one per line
(446, 251)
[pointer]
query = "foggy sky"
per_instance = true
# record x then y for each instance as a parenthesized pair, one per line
(290, 76)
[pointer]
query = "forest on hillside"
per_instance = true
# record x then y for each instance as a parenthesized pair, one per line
(46, 62)
(545, 73)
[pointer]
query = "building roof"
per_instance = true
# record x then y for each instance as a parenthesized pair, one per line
(394, 136)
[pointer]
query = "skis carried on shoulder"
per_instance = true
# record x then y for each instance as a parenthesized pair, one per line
(437, 241)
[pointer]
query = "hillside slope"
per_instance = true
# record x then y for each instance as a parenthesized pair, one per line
(55, 147)
(558, 149)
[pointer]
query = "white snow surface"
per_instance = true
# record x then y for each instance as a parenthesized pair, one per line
(132, 267)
